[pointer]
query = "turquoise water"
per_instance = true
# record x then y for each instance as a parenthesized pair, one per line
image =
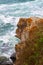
(10, 12)
(13, 1)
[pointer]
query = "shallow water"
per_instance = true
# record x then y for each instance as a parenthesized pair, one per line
(10, 12)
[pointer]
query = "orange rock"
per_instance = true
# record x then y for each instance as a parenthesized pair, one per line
(22, 24)
(30, 50)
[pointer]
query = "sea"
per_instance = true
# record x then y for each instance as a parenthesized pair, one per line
(10, 13)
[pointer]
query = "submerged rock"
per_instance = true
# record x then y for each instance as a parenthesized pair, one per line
(30, 50)
(5, 61)
(13, 57)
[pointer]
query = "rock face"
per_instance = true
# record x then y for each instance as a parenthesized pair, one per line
(22, 24)
(30, 50)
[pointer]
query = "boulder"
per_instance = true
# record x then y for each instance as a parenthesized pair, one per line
(5, 61)
(13, 57)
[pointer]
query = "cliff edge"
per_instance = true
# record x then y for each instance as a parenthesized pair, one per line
(30, 50)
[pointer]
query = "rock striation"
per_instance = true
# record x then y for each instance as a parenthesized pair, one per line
(30, 50)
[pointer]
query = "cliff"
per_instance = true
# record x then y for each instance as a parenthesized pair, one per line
(30, 50)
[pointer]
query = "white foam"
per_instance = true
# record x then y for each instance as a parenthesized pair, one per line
(5, 38)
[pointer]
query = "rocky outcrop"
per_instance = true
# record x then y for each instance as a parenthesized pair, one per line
(22, 24)
(30, 50)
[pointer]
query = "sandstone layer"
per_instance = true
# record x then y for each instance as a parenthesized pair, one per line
(30, 50)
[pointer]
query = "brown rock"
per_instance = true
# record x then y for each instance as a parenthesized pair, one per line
(30, 50)
(22, 24)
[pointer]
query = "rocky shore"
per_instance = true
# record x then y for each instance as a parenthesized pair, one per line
(30, 50)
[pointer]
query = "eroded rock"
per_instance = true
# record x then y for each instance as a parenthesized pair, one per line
(30, 50)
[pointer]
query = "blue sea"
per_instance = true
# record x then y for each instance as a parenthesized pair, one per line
(10, 12)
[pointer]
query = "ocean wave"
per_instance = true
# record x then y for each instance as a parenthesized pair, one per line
(22, 9)
(8, 40)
